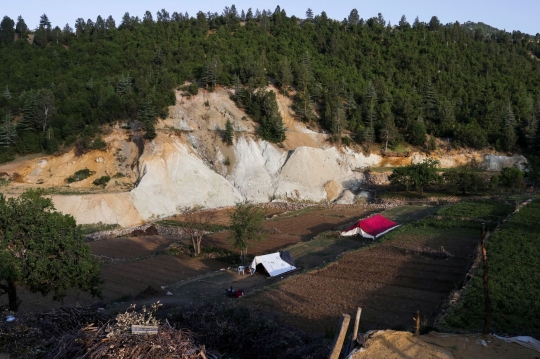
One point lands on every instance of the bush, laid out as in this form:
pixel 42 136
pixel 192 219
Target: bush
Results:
pixel 193 89
pixel 512 178
pixel 416 176
pixel 102 181
pixel 6 155
pixel 463 181
pixel 98 144
pixel 80 175
pixel 417 133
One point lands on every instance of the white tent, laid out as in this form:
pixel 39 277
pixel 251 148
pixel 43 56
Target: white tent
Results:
pixel 274 263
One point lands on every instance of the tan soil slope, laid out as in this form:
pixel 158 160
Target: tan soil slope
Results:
pixel 118 159
pixel 402 345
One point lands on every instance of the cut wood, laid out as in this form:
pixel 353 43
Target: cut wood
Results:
pixel 144 329
pixel 342 331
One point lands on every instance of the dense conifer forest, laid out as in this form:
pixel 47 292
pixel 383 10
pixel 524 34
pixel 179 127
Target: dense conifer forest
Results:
pixel 362 80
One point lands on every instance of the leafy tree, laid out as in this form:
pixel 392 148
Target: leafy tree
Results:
pixel 246 226
pixel 532 170
pixel 196 225
pixel 42 250
pixel 416 176
pixel 512 178
pixel 463 180
pixel 417 133
pixel 228 134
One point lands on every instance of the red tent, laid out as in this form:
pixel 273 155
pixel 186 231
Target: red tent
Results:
pixel 371 227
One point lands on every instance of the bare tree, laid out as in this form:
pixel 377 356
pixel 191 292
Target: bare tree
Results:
pixel 46 109
pixel 196 225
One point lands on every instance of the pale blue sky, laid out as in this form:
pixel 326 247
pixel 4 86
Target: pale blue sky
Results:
pixel 520 15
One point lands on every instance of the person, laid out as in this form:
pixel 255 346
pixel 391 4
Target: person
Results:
pixel 230 292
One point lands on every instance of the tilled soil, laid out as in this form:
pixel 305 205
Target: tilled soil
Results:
pixel 294 227
pixel 389 283
pixel 131 247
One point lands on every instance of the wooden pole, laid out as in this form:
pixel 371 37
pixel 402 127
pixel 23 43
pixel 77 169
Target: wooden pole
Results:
pixel 355 330
pixel 487 301
pixel 338 342
pixel 417 326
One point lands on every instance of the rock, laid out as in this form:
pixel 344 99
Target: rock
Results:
pixel 99 160
pixel 333 190
pixel 168 293
pixel 346 198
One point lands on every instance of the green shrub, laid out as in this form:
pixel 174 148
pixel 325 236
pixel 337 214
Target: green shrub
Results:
pixel 98 144
pixel 102 181
pixel 512 177
pixel 80 175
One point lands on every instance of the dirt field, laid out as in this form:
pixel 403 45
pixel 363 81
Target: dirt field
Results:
pixel 294 227
pixel 389 283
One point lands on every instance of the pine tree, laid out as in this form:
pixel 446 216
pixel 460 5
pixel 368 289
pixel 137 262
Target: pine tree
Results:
pixel 124 84
pixel 7 94
pixel 147 116
pixel 228 134
pixel 353 18
pixel 285 73
pixel 510 136
pixel 368 137
pixel 8 135
pixel 309 14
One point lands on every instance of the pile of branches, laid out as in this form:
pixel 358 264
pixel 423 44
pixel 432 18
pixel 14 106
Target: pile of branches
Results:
pixel 85 332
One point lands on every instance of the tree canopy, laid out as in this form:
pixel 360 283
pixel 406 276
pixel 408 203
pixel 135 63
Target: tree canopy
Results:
pixel 246 226
pixel 42 250
pixel 361 78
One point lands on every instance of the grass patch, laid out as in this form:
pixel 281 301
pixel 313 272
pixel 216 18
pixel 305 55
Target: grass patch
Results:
pixel 478 209
pixel 514 271
pixel 210 227
pixel 97 227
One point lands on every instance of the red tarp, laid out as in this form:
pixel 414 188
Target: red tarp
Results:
pixel 374 225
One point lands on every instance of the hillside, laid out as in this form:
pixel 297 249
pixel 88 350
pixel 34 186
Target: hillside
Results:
pixel 360 80
pixel 188 164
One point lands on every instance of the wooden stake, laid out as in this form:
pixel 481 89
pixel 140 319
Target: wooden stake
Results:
pixel 355 331
pixel 338 342
pixel 487 301
pixel 417 320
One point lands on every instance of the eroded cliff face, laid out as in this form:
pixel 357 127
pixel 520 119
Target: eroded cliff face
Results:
pixel 189 165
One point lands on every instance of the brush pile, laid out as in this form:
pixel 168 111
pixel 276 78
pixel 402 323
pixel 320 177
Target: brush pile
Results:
pixel 78 332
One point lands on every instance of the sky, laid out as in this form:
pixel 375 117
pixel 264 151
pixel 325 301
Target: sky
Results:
pixel 509 15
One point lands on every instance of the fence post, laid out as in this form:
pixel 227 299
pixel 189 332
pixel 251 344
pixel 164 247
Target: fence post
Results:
pixel 355 330
pixel 487 301
pixel 342 331
pixel 417 325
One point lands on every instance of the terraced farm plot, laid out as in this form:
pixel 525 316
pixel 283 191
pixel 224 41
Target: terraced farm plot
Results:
pixel 131 247
pixel 390 281
pixel 295 227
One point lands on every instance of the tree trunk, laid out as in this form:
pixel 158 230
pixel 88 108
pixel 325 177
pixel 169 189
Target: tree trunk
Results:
pixel 12 296
pixel 199 246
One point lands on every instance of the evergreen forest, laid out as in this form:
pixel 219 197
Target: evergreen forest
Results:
pixel 362 80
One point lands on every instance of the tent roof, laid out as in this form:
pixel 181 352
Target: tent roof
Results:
pixel 274 264
pixel 373 226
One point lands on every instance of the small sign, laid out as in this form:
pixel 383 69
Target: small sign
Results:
pixel 144 329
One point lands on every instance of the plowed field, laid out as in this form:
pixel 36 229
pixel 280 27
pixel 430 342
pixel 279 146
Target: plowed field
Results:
pixel 294 227
pixel 386 280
